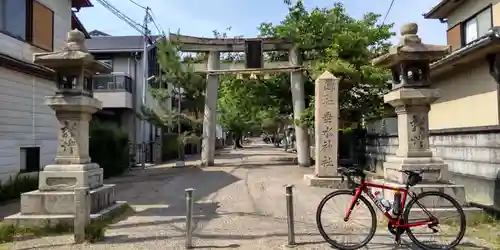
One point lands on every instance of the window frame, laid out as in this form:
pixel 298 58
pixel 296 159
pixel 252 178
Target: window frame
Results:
pixel 474 16
pixel 29 26
pixel 28 22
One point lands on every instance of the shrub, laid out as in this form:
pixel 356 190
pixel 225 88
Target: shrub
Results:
pixel 170 148
pixel 95 231
pixel 7 232
pixel 16 186
pixel 108 146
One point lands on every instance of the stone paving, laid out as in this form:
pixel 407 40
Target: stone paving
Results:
pixel 240 204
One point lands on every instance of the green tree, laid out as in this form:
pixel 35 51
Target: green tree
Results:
pixel 187 86
pixel 334 41
pixel 238 105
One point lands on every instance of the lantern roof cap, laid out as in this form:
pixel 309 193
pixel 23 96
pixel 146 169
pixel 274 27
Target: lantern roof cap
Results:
pixel 73 54
pixel 411 48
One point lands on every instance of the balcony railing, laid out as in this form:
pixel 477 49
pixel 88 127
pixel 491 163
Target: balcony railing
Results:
pixel 104 83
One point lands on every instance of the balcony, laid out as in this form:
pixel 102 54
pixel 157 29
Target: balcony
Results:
pixel 114 91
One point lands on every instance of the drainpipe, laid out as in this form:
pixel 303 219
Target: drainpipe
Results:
pixel 134 102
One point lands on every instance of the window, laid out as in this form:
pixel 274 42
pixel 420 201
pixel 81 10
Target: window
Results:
pixel 30 159
pixel 477 26
pixel 13 18
pixel 29 21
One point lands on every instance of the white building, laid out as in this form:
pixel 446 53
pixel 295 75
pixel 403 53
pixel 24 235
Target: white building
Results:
pixel 122 91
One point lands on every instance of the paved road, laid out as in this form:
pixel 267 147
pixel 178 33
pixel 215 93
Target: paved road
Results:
pixel 240 204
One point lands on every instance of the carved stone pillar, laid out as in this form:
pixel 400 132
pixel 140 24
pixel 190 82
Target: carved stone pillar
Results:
pixel 326 126
pixel 72 166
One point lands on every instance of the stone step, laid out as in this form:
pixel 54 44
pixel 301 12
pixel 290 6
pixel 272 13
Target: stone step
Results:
pixel 62 202
pixel 56 219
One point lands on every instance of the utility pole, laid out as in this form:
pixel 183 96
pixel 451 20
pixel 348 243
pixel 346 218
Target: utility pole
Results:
pixel 147 33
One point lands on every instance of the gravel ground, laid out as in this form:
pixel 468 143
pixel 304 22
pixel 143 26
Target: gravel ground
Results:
pixel 240 204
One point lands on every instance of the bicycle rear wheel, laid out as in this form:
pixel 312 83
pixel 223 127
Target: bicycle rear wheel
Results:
pixel 342 199
pixel 452 225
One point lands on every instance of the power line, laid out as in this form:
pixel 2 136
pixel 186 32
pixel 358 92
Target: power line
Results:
pixel 138 27
pixel 134 2
pixel 388 11
pixel 158 27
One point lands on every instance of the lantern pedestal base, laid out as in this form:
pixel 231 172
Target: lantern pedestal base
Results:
pixel 326 182
pixel 435 170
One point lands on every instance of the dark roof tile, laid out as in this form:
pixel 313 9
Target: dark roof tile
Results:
pixel 116 43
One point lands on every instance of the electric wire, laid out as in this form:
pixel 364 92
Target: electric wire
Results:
pixel 387 13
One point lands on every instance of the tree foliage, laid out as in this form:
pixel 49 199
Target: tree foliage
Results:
pixel 244 104
pixel 334 41
pixel 185 85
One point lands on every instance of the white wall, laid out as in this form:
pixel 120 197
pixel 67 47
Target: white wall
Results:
pixel 24 118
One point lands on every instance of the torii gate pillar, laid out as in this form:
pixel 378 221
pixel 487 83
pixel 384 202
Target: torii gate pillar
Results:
pixel 298 98
pixel 210 113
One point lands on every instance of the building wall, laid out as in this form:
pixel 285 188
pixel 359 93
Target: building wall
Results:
pixel 25 119
pixel 470 8
pixel 469 98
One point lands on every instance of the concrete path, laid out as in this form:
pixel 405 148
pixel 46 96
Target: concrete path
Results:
pixel 240 204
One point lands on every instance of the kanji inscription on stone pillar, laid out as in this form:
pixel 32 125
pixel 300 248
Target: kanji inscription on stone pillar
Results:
pixel 326 125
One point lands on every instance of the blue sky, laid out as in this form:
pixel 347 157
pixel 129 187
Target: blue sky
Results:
pixel 201 17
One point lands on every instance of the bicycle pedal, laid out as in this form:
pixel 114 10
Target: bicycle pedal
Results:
pixel 397 243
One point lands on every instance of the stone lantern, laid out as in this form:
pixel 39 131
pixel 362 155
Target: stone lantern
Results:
pixel 74 105
pixel 411 96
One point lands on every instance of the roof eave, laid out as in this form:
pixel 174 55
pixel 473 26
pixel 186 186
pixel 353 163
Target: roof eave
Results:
pixel 79 25
pixel 114 50
pixel 481 46
pixel 81 4
pixel 440 11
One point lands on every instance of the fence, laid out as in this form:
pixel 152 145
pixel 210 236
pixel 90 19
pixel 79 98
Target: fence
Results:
pixel 147 152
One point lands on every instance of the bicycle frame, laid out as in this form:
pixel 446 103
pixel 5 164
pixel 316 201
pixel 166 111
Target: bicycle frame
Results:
pixel 365 188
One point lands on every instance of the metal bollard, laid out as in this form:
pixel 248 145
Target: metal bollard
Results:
pixel 289 213
pixel 82 213
pixel 189 218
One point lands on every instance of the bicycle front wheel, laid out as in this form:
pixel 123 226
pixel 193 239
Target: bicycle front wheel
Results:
pixel 362 217
pixel 450 227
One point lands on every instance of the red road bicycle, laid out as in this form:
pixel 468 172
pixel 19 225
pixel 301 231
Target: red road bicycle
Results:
pixel 398 214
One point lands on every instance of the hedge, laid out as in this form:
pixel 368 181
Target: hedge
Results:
pixel 108 146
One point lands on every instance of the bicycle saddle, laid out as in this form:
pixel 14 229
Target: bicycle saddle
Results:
pixel 414 177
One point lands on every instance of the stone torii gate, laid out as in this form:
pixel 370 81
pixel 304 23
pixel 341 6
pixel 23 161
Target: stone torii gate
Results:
pixel 254 47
